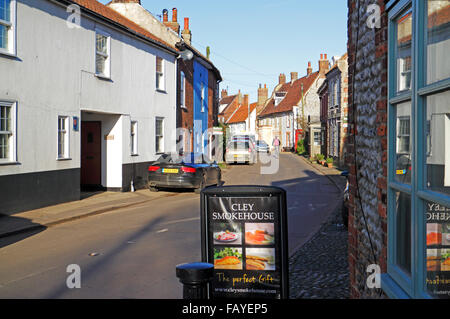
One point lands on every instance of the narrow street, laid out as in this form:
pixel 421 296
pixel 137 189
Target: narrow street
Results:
pixel 132 252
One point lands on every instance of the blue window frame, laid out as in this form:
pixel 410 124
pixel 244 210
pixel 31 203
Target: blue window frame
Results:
pixel 419 150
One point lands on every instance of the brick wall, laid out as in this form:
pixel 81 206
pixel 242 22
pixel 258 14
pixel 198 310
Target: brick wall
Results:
pixel 366 145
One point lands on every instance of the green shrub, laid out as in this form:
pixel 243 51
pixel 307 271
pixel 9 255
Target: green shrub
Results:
pixel 301 147
pixel 320 157
pixel 330 160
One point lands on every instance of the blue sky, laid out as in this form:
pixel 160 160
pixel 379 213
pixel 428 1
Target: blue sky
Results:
pixel 253 41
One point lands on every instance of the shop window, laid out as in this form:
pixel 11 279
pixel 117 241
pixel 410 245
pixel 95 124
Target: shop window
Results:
pixel 419 152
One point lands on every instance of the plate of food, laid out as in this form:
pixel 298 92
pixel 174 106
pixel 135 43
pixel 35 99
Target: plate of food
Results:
pixel 259 237
pixel 228 258
pixel 226 236
pixel 260 259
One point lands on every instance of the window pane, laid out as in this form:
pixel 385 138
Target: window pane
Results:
pixel 159 128
pixel 159 67
pixel 4 146
pixel 438 142
pixel 404 37
pixel 438 250
pixel 102 43
pixel 5 10
pixel 3 37
pixel 403 231
pixel 403 143
pixel 438 49
pixel 100 64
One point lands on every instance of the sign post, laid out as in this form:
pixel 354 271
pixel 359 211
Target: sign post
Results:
pixel 244 235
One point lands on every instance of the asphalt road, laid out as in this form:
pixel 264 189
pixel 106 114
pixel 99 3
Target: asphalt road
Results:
pixel 132 253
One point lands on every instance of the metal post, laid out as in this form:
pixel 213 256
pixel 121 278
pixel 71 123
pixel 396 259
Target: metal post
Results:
pixel 195 278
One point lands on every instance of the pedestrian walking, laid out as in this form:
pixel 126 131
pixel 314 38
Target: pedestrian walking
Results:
pixel 276 145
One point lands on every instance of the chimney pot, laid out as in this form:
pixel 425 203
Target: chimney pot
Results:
pixel 282 79
pixel 294 76
pixel 165 15
pixel 174 15
pixel 186 23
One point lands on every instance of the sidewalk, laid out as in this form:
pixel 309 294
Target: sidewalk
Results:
pixel 333 174
pixel 319 269
pixel 91 204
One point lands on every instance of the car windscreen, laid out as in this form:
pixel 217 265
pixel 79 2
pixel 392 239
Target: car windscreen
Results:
pixel 239 145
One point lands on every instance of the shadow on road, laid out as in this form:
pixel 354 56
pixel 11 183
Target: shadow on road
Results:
pixel 104 260
pixel 14 229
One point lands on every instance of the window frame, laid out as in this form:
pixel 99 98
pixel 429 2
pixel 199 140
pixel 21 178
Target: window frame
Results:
pixel 66 154
pixel 396 283
pixel 159 135
pixel 160 77
pixel 183 90
pixel 134 129
pixel 10 50
pixel 107 73
pixel 12 140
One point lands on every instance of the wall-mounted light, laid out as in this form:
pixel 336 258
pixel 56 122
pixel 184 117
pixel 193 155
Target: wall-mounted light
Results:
pixel 186 54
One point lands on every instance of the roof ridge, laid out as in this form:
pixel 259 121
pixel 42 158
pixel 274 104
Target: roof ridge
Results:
pixel 110 14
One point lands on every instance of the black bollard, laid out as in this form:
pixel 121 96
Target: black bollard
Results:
pixel 195 278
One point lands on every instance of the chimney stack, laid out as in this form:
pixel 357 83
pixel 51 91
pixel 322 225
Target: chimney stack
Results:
pixel 324 65
pixel 174 25
pixel 309 69
pixel 224 93
pixel 263 95
pixel 186 33
pixel 245 103
pixel 282 79
pixel 294 76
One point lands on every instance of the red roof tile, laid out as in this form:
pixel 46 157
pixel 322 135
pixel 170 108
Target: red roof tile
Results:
pixel 228 111
pixel 101 9
pixel 293 95
pixel 241 114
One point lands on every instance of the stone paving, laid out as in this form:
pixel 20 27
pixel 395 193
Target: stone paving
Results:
pixel 319 269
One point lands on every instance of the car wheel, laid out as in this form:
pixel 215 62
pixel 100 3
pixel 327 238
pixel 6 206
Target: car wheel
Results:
pixel 202 185
pixel 154 189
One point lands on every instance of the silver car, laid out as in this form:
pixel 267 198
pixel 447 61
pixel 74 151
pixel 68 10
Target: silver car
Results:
pixel 240 152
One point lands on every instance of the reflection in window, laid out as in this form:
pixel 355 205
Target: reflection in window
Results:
pixel 404 36
pixel 438 249
pixel 438 63
pixel 403 231
pixel 403 143
pixel 438 143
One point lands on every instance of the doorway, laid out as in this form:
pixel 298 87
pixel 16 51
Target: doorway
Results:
pixel 91 155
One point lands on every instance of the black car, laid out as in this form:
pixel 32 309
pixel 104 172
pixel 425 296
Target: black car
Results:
pixel 183 171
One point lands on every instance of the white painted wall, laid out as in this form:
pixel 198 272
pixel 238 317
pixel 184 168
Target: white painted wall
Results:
pixel 53 75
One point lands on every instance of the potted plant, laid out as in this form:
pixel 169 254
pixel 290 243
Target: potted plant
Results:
pixel 319 158
pixel 329 162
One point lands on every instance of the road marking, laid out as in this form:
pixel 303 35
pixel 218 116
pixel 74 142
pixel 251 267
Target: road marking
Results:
pixel 165 230
pixel 181 221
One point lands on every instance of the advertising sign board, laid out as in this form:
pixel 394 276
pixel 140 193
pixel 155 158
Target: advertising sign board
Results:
pixel 244 235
